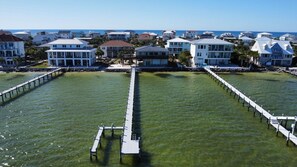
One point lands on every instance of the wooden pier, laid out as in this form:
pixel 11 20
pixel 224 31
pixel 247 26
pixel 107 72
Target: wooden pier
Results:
pixel 97 140
pixel 130 145
pixel 8 94
pixel 271 120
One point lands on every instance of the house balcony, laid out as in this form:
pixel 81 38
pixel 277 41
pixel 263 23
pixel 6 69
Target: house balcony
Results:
pixel 7 48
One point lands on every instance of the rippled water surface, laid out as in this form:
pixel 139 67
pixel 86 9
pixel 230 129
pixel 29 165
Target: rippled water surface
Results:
pixel 183 119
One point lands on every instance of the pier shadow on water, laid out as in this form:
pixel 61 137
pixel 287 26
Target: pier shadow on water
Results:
pixel 166 75
pixel 105 151
pixel 15 96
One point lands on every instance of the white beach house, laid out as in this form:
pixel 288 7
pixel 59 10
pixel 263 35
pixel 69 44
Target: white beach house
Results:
pixel 64 34
pixel 168 34
pixel 210 52
pixel 70 52
pixel 44 37
pixel 264 34
pixel 189 34
pixel 23 35
pixel 177 45
pixel 119 35
pixel 273 52
pixel 11 47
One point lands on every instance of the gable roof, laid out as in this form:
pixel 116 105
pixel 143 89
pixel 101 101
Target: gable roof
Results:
pixel 9 38
pixel 211 42
pixel 151 49
pixel 116 43
pixel 74 41
pixel 178 40
pixel 5 32
pixel 263 46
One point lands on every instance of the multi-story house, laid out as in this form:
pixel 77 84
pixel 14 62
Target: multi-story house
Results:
pixel 264 34
pixel 190 34
pixel 273 52
pixel 65 34
pixel 177 45
pixel 210 52
pixel 78 34
pixel 93 34
pixel 44 37
pixel 119 35
pixel 11 47
pixel 151 56
pixel 168 34
pixel 147 36
pixel 23 35
pixel 207 35
pixel 111 49
pixel 70 52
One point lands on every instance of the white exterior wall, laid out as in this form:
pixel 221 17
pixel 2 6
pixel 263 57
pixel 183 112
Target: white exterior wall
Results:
pixel 201 56
pixel 71 55
pixel 104 49
pixel 42 39
pixel 182 46
pixel 198 60
pixel 10 52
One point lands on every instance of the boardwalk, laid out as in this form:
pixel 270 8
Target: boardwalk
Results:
pixel 129 145
pixel 271 120
pixel 21 88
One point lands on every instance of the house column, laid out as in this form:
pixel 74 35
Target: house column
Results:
pixel 64 58
pixel 48 58
pixel 73 62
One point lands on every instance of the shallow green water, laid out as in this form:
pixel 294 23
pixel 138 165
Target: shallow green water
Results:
pixel 8 80
pixel 184 119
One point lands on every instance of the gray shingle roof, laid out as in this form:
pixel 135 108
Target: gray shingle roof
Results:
pixel 151 49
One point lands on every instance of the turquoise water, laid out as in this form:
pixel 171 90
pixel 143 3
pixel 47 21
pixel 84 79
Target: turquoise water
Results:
pixel 183 119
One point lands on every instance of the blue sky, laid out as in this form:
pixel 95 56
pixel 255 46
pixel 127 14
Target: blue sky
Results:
pixel 254 15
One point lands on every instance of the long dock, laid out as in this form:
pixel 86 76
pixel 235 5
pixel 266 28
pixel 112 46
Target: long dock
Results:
pixel 10 93
pixel 271 120
pixel 130 145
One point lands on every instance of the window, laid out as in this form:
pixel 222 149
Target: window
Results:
pixel 54 46
pixel 78 46
pixel 63 46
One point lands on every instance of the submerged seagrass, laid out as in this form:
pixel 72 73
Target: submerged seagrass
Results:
pixel 184 119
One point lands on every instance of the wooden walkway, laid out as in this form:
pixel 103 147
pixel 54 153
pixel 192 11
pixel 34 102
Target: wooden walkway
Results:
pixel 271 120
pixel 97 140
pixel 31 84
pixel 130 145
